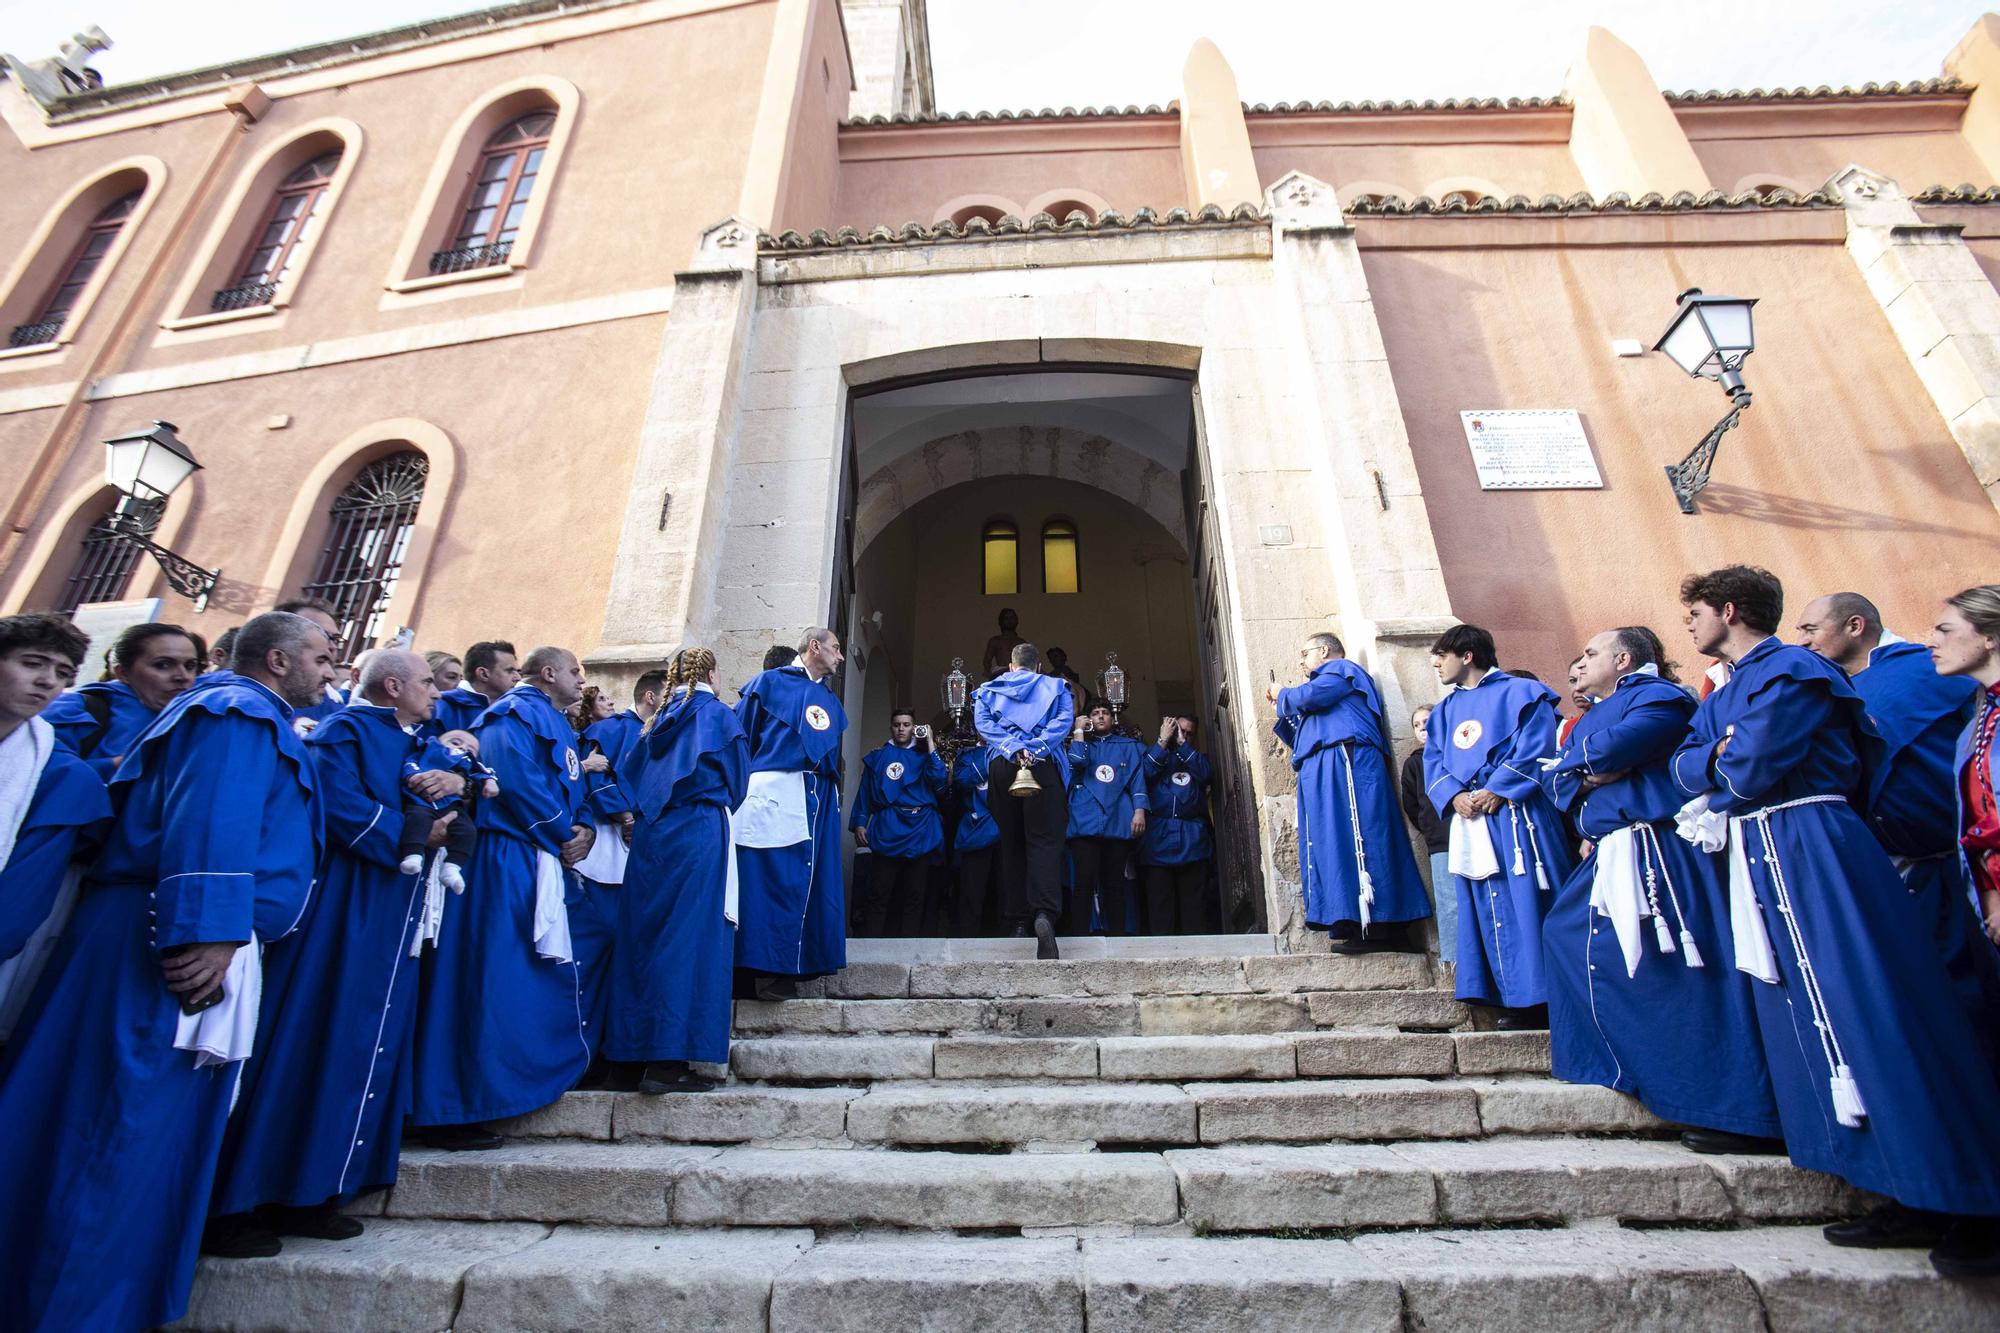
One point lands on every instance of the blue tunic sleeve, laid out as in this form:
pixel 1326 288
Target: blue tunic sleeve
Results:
pixel 1648 731
pixel 1517 771
pixel 211 819
pixel 532 804
pixel 864 794
pixel 1770 740
pixel 1323 691
pixel 356 823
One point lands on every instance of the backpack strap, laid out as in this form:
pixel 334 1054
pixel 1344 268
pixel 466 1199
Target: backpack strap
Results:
pixel 97 703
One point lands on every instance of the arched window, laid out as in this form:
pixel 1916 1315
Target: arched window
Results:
pixel 368 530
pixel 1060 571
pixel 1001 541
pixel 105 560
pixel 294 205
pixel 97 241
pixel 498 199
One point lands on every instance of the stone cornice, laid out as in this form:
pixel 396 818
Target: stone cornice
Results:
pixel 1041 224
pixel 1521 204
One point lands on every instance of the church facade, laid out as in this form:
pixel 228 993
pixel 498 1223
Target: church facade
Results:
pixel 631 323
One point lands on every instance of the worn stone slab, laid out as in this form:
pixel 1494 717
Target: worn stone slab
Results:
pixel 932 1286
pixel 1544 1106
pixel 575 1115
pixel 1375 1055
pixel 828 1058
pixel 393 1275
pixel 553 1181
pixel 1268 1187
pixel 953 1113
pixel 1177 1058
pixel 1063 1017
pixel 1390 1108
pixel 933 1016
pixel 1486 1181
pixel 1413 1010
pixel 1189 946
pixel 1568 1281
pixel 860 981
pixel 1221 1015
pixel 1502 1052
pixel 1235 1286
pixel 734 1114
pixel 631 1279
pixel 1807 1284
pixel 755 1016
pixel 1339 972
pixel 1011 1057
pixel 843 1188
pixel 1772 1189
pixel 1116 977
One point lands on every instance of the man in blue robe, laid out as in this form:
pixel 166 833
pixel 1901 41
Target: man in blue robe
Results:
pixel 1509 848
pixel 794 913
pixel 1879 1076
pixel 100 721
pixel 1359 875
pixel 1642 996
pixel 320 612
pixel 897 819
pixel 1024 717
pixel 319 1118
pixel 974 843
pixel 501 1029
pixel 490 671
pixel 114 1095
pixel 1913 795
pixel 1178 844
pixel 53 806
pixel 1107 816
pixel 674 962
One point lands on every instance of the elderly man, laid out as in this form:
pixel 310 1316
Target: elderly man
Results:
pixel 500 1028
pixel 793 913
pixel 1360 878
pixel 319 1118
pixel 119 1081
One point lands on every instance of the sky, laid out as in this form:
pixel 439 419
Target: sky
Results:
pixel 1014 54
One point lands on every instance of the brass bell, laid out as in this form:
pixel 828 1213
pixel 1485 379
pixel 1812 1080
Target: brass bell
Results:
pixel 1024 783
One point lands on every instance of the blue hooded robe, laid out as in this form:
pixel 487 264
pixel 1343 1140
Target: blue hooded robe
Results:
pixel 127 717
pixel 1107 783
pixel 1177 831
pixel 793 912
pixel 1492 736
pixel 1350 828
pixel 501 1029
pixel 676 949
pixel 1025 710
pixel 111 1132
pixel 897 802
pixel 1861 1017
pixel 65 820
pixel 1681 1038
pixel 976 829
pixel 457 709
pixel 320 1115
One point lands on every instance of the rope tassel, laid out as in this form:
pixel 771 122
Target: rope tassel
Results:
pixel 1847 1107
pixel 1691 950
pixel 1663 935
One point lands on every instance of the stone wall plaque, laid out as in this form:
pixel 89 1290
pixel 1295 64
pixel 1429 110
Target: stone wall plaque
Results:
pixel 1542 449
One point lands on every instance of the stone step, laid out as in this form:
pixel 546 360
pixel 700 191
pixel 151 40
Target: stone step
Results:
pixel 952 949
pixel 1282 974
pixel 492 1277
pixel 1213 1014
pixel 1283 1055
pixel 1262 1188
pixel 986 1114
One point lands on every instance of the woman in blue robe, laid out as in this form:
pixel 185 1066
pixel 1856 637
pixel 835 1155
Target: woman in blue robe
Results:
pixel 675 956
pixel 150 665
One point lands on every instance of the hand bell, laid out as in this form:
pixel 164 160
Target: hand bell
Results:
pixel 1024 783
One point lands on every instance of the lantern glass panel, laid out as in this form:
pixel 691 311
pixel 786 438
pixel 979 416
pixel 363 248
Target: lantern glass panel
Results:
pixel 1687 343
pixel 1729 327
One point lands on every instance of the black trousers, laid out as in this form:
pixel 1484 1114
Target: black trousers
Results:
pixel 899 890
pixel 1031 840
pixel 1177 901
pixel 1099 864
pixel 461 836
pixel 975 885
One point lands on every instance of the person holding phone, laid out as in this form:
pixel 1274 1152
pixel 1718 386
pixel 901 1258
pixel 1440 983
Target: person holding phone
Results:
pixel 1107 817
pixel 897 819
pixel 1178 847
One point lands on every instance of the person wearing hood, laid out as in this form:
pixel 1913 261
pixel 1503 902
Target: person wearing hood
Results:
pixel 1024 718
pixel 1108 802
pixel 896 819
pixel 99 722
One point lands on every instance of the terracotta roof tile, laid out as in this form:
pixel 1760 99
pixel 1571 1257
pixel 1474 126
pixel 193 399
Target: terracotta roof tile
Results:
pixel 1683 202
pixel 979 229
pixel 1957 194
pixel 1912 88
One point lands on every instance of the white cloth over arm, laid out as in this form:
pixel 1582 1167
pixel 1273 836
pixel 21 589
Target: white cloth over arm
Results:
pixel 227 1031
pixel 1470 854
pixel 773 813
pixel 551 911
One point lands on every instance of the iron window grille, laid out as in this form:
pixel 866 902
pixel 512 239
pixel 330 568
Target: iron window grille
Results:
pixel 97 241
pixel 105 558
pixel 497 200
pixel 368 532
pixel 294 206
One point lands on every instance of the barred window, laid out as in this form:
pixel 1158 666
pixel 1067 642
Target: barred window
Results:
pixel 105 560
pixel 368 530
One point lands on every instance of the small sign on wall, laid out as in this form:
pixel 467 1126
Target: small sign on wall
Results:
pixel 1543 449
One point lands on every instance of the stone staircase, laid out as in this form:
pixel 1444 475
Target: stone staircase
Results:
pixel 1173 1134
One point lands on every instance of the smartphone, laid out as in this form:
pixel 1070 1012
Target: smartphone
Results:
pixel 922 730
pixel 208 1001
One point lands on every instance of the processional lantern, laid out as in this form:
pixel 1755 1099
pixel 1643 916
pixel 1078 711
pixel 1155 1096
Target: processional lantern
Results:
pixel 1111 685
pixel 1709 338
pixel 953 687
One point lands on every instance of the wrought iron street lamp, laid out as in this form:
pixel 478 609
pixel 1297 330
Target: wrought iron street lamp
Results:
pixel 1709 338
pixel 146 467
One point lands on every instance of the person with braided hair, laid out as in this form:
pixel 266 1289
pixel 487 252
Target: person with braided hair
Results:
pixel 673 962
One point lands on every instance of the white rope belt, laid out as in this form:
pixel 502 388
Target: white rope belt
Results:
pixel 1367 890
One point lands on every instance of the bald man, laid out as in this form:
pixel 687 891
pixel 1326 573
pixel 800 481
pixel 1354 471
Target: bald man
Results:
pixel 319 1118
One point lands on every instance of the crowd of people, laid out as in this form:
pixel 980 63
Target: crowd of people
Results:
pixel 259 926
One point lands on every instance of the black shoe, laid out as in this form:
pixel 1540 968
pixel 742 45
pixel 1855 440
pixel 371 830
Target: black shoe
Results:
pixel 777 988
pixel 457 1138
pixel 665 1076
pixel 1527 1018
pixel 1045 937
pixel 623 1075
pixel 325 1222
pixel 1970 1248
pixel 1889 1227
pixel 240 1236
pixel 1020 932
pixel 1722 1141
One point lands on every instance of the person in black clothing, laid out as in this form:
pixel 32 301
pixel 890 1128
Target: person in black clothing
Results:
pixel 1423 817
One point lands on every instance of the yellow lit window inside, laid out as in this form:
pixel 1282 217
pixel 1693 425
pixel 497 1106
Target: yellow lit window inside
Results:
pixel 1002 543
pixel 1059 571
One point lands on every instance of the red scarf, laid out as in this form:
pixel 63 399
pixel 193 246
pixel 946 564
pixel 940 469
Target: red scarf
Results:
pixel 1981 838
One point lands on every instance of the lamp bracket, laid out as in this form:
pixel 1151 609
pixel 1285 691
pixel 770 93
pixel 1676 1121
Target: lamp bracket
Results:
pixel 1689 477
pixel 184 576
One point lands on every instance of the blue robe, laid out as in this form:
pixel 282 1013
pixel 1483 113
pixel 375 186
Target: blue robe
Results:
pixel 126 719
pixel 1107 782
pixel 327 707
pixel 1347 811
pixel 111 1133
pixel 65 820
pixel 1491 736
pixel 674 961
pixel 976 829
pixel 320 1114
pixel 457 709
pixel 500 1029
pixel 1862 960
pixel 897 802
pixel 1681 1039
pixel 593 919
pixel 1025 711
pixel 1177 830
pixel 793 913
